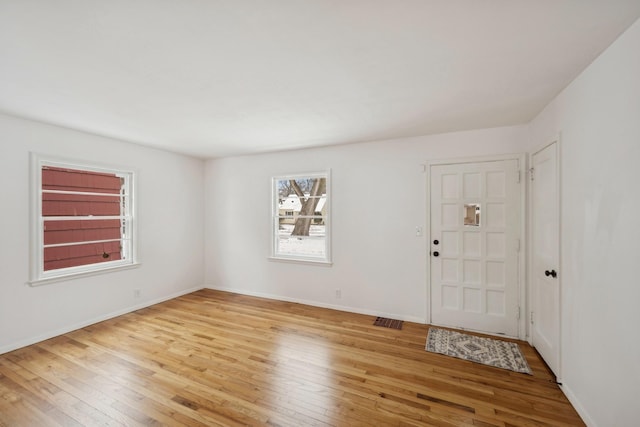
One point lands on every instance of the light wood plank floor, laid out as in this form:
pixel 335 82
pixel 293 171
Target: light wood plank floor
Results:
pixel 215 358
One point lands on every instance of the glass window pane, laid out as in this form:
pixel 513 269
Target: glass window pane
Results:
pixel 83 254
pixel 472 214
pixel 312 245
pixel 57 232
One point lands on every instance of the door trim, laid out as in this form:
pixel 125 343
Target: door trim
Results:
pixel 522 160
pixel 556 139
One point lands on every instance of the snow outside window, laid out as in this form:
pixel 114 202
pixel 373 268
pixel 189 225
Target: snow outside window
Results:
pixel 301 219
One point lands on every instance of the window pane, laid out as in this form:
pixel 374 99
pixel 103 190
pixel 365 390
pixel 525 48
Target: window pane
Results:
pixel 83 254
pixel 472 214
pixel 56 204
pixel 78 180
pixel 312 245
pixel 306 186
pixel 57 232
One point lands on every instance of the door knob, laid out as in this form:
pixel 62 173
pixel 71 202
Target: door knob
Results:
pixel 436 253
pixel 551 273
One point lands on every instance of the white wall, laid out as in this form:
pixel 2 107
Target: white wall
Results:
pixel 170 207
pixel 598 116
pixel 378 199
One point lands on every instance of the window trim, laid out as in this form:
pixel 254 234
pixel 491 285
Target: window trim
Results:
pixel 37 274
pixel 302 259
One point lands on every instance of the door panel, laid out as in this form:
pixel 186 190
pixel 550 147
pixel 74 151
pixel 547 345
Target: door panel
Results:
pixel 545 256
pixel 475 230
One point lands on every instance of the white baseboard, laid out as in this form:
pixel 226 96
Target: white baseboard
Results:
pixel 577 405
pixel 319 304
pixel 73 327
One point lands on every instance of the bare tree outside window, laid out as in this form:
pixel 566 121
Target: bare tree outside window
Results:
pixel 300 220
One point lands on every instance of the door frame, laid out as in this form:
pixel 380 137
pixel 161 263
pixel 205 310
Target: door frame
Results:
pixel 523 166
pixel 556 139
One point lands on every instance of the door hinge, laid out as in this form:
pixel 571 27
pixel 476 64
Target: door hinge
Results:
pixel 518 313
pixel 517 245
pixel 532 317
pixel 519 175
pixel 531 170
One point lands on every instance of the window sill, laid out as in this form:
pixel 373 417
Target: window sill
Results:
pixel 308 261
pixel 72 276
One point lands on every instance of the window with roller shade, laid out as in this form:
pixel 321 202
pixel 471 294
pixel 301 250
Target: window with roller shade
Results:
pixel 84 219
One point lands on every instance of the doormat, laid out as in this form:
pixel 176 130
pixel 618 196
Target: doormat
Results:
pixel 492 352
pixel 388 323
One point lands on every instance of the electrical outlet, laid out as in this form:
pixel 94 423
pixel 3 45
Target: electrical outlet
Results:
pixel 338 293
pixel 136 293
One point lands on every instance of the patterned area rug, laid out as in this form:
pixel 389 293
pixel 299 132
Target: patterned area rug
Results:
pixel 501 354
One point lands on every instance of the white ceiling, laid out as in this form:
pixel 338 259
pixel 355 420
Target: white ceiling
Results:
pixel 215 78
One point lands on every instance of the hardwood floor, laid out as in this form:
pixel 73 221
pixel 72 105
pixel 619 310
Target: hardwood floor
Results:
pixel 215 358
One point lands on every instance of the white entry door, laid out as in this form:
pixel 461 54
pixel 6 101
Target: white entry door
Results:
pixel 545 291
pixel 475 243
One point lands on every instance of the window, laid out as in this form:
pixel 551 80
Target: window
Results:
pixel 301 220
pixel 472 214
pixel 83 219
